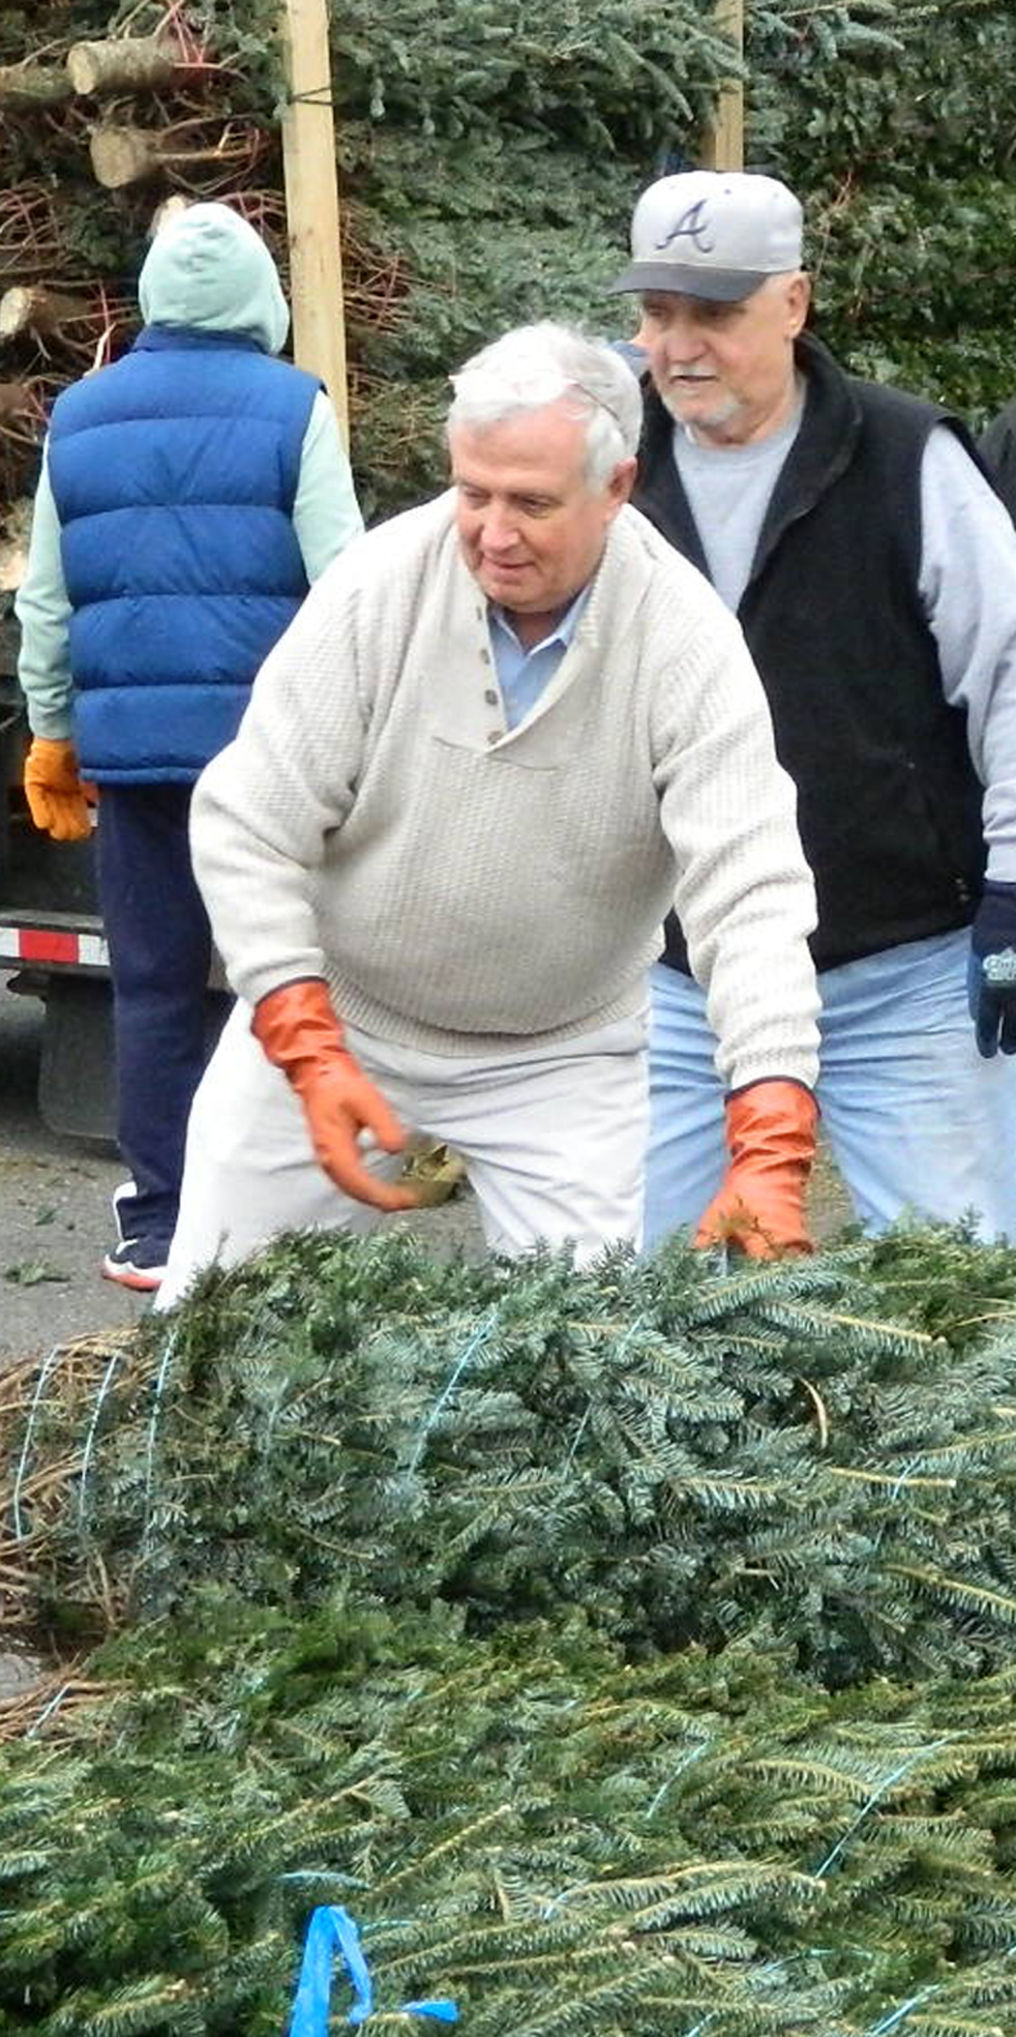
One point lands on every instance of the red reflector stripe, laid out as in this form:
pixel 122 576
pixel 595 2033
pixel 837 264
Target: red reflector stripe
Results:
pixel 36 945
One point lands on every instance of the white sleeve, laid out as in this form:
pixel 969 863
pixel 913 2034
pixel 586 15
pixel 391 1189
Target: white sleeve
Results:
pixel 44 612
pixel 326 514
pixel 967 586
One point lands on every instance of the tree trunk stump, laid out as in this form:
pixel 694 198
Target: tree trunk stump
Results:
pixel 32 308
pixel 27 86
pixel 126 64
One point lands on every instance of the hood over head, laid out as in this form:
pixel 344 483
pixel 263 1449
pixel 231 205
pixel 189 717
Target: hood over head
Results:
pixel 208 269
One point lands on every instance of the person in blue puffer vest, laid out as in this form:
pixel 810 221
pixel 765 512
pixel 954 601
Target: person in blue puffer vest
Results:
pixel 189 496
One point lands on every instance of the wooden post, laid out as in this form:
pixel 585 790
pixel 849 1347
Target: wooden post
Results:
pixel 723 141
pixel 312 202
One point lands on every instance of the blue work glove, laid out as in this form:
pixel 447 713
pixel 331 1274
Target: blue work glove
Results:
pixel 991 973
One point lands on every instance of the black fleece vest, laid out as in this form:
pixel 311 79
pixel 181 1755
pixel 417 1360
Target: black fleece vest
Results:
pixel 889 805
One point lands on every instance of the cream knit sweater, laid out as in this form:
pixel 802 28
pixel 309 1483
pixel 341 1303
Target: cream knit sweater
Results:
pixel 464 887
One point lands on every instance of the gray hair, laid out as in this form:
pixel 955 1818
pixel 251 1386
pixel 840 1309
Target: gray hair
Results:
pixel 535 365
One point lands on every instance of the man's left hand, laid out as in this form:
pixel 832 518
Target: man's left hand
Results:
pixel 771 1136
pixel 991 974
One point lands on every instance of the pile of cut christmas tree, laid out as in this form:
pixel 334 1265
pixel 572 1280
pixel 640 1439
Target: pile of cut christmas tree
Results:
pixel 629 1651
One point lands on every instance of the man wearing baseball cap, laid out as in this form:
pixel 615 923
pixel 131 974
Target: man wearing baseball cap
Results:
pixel 873 571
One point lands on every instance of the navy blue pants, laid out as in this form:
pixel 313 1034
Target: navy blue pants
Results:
pixel 160 949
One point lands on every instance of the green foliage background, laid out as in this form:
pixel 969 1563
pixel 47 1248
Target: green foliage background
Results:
pixel 495 149
pixel 509 182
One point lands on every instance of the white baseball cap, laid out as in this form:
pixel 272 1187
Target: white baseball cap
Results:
pixel 713 233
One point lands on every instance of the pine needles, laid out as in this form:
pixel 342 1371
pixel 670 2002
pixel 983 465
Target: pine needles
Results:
pixel 684 1457
pixel 630 1651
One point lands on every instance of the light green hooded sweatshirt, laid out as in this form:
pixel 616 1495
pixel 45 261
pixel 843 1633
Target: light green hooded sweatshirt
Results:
pixel 208 270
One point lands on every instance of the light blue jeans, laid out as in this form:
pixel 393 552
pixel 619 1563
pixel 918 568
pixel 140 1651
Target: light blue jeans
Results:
pixel 918 1123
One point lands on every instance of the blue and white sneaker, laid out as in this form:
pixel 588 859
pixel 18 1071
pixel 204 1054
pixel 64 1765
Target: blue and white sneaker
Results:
pixel 137 1263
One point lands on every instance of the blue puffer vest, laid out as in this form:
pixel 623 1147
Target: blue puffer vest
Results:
pixel 174 475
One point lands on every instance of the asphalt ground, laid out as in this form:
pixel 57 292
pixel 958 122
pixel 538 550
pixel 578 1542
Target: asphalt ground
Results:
pixel 55 1216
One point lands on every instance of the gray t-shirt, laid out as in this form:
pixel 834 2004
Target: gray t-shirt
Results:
pixel 728 490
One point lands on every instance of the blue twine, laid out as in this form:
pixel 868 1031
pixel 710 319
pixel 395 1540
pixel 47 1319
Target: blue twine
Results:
pixel 86 1460
pixel 479 1337
pixel 556 1901
pixel 919 1754
pixel 48 1711
pixel 693 1754
pixel 795 1958
pixel 895 2017
pixel 893 1495
pixel 44 1372
pixel 322 1874
pixel 621 1352
pixel 895 1489
pixel 330 1930
pixel 577 1438
pixel 160 1384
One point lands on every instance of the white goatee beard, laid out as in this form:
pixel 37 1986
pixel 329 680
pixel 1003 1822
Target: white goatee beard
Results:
pixel 726 409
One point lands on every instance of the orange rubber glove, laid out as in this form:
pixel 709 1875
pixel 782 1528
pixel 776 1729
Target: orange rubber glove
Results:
pixel 771 1134
pixel 298 1030
pixel 57 800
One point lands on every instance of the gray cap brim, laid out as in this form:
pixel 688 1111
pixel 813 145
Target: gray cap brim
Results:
pixel 725 286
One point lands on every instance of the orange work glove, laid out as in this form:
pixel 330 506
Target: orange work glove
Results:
pixel 298 1030
pixel 57 800
pixel 771 1131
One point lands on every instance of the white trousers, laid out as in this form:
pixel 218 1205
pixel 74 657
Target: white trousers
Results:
pixel 553 1138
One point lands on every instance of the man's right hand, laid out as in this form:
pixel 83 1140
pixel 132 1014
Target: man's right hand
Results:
pixel 298 1030
pixel 57 800
pixel 771 1135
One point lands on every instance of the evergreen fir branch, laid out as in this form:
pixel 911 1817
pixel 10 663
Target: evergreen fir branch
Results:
pixel 957 1591
pixel 454 1698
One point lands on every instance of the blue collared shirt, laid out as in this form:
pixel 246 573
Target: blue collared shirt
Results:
pixel 523 675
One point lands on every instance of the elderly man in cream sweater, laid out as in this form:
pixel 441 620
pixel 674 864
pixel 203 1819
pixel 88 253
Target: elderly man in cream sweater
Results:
pixel 506 733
